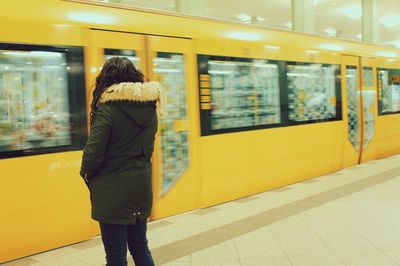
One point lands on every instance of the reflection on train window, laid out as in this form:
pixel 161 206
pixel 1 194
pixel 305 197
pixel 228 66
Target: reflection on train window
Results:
pixel 170 71
pixel 34 100
pixel 130 54
pixel 313 92
pixel 368 95
pixel 238 93
pixel 352 105
pixel 388 91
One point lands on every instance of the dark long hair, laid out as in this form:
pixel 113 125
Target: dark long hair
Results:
pixel 115 70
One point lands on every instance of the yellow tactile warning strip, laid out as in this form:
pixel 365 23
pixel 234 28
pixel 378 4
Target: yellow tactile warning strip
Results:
pixel 187 246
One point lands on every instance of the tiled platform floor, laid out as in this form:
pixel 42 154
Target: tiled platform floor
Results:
pixel 351 217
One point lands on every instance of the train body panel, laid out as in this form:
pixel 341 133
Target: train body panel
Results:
pixel 241 164
pixel 42 197
pixel 203 156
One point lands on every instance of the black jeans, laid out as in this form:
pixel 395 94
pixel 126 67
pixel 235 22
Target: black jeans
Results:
pixel 117 237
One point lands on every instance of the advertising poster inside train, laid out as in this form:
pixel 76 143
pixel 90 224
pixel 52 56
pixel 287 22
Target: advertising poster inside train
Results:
pixel 388 90
pixel 34 101
pixel 312 91
pixel 243 93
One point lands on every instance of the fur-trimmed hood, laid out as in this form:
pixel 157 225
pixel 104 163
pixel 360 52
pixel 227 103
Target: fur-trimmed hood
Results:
pixel 137 92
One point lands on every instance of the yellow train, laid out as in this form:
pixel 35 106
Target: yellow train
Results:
pixel 250 109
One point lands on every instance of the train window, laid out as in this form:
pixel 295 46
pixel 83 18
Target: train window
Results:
pixel 388 91
pixel 313 92
pixel 130 54
pixel 238 94
pixel 352 105
pixel 42 99
pixel 170 71
pixel 368 94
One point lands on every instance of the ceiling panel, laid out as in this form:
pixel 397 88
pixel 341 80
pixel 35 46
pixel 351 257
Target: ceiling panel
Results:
pixel 335 18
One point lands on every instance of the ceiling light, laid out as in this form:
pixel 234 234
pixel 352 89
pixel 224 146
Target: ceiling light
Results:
pixel 385 54
pixel 33 54
pixel 272 47
pixel 311 52
pixel 45 54
pixel 331 47
pixel 359 36
pixel 90 18
pixel 397 43
pixel 244 18
pixel 245 36
pixel 390 21
pixel 353 12
pixel 331 32
pixel 315 2
pixel 249 19
pixel 288 24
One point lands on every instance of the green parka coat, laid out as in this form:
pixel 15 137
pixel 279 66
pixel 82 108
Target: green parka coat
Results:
pixel 116 159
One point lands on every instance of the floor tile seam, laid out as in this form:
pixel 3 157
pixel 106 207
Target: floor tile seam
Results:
pixel 340 185
pixel 381 250
pixel 281 246
pixel 378 217
pixel 297 203
pixel 395 261
pixel 349 254
pixel 322 240
pixel 336 185
pixel 362 184
pixel 241 218
pixel 237 251
pixel 350 225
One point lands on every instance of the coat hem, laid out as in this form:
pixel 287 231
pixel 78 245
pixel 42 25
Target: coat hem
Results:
pixel 118 221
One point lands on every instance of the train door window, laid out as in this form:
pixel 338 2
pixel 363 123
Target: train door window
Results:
pixel 313 92
pixel 41 99
pixel 368 94
pixel 352 105
pixel 238 94
pixel 130 54
pixel 170 71
pixel 388 91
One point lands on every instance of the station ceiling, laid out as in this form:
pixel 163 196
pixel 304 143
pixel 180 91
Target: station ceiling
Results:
pixel 334 18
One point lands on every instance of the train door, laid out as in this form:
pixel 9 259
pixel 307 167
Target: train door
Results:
pixel 369 108
pixel 171 62
pixel 359 109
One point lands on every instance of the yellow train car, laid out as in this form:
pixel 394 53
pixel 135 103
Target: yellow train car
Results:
pixel 250 109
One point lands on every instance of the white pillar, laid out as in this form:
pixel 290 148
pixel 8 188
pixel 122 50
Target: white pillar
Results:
pixel 303 16
pixel 191 7
pixel 370 21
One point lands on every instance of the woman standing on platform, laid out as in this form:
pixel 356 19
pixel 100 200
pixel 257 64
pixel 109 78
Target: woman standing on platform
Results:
pixel 116 162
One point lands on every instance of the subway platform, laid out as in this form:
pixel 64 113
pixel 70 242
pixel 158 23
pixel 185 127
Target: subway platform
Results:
pixel 350 217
